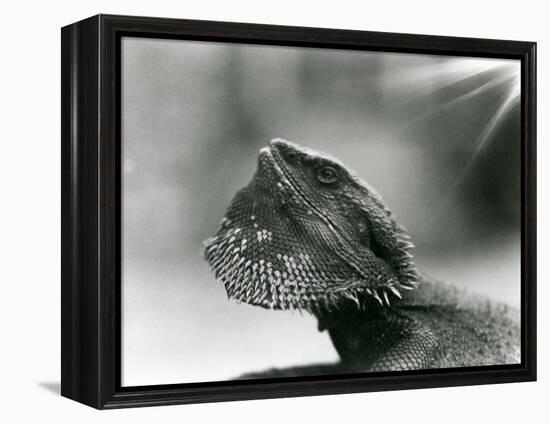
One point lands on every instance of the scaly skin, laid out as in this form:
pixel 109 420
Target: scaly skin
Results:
pixel 306 233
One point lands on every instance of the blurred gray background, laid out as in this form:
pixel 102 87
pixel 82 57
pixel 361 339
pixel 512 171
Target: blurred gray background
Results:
pixel 438 137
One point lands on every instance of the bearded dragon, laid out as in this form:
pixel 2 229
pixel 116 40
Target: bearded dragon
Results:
pixel 308 234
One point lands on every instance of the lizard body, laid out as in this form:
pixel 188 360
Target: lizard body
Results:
pixel 307 233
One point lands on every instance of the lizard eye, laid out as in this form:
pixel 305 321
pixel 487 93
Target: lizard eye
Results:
pixel 326 175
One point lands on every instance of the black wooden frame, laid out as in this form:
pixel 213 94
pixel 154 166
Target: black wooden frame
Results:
pixel 90 180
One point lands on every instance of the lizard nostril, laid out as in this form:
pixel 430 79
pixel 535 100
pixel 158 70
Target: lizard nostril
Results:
pixel 291 156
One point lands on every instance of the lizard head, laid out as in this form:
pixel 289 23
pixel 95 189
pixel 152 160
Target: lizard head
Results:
pixel 308 233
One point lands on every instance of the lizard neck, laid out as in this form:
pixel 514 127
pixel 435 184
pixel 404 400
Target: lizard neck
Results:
pixel 361 336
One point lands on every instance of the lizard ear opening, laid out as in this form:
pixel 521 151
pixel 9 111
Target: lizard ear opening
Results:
pixel 376 248
pixel 390 243
pixel 368 240
pixel 371 239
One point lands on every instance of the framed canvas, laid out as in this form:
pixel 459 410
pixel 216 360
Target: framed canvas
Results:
pixel 254 211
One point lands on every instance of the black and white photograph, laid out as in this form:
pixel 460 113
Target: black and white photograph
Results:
pixel 275 212
pixel 296 211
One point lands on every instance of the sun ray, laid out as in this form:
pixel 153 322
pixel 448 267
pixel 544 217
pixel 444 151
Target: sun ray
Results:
pixel 503 80
pixel 484 137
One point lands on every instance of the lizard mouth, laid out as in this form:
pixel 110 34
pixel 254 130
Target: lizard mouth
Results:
pixel 270 165
pixel 273 180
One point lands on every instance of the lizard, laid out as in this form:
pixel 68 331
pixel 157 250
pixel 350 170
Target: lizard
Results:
pixel 308 234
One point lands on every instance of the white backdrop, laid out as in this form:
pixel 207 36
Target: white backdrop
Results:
pixel 30 318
